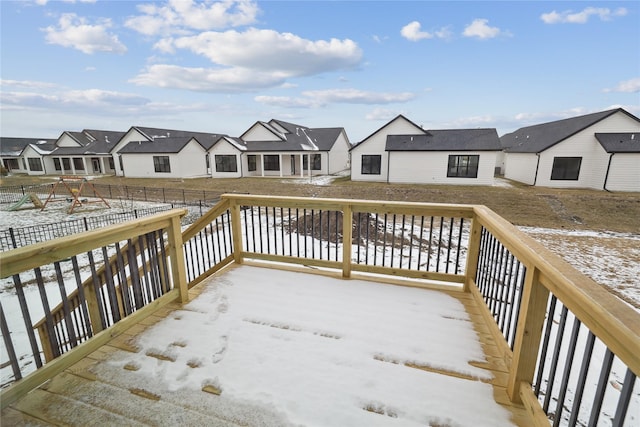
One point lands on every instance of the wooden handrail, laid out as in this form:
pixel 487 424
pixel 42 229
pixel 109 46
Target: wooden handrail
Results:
pixel 32 256
pixel 613 322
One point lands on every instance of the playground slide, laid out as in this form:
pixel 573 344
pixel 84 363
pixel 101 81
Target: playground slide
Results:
pixel 24 199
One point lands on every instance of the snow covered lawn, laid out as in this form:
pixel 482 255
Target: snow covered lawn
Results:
pixel 317 351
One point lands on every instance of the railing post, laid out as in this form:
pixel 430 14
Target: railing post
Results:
pixel 176 253
pixel 236 230
pixel 472 254
pixel 527 340
pixel 347 237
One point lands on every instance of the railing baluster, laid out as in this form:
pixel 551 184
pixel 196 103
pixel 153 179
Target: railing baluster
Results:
pixel 582 379
pixel 555 358
pixel 8 345
pixel 601 389
pixel 568 363
pixel 625 397
pixel 26 316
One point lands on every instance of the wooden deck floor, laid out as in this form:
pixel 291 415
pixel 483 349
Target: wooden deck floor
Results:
pixel 78 396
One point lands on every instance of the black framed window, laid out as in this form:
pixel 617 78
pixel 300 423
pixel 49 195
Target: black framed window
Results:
pixel 66 163
pixel 111 164
pixel 35 164
pixel 463 166
pixel 161 164
pixel 371 164
pixel 316 162
pixel 226 163
pixel 56 164
pixel 11 164
pixel 252 162
pixel 566 168
pixel 78 164
pixel 271 162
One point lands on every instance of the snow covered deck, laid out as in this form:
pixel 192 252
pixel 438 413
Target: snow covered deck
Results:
pixel 258 346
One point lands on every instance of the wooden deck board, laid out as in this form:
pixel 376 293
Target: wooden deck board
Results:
pixel 79 396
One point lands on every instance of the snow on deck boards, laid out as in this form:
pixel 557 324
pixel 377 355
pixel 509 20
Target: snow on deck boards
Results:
pixel 268 347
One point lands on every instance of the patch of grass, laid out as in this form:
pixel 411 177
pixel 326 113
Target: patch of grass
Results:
pixel 520 204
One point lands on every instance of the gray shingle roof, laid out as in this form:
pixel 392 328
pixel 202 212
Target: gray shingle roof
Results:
pixel 99 142
pixel 159 145
pixel 297 138
pixel 446 140
pixel 628 142
pixel 14 146
pixel 205 139
pixel 537 138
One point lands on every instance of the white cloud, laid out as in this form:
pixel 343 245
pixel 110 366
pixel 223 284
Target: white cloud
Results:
pixel 74 31
pixel 582 17
pixel 29 84
pixel 287 53
pixel 80 99
pixel 319 98
pixel 382 114
pixel 44 2
pixel 287 101
pixel 354 96
pixel 182 16
pixel 628 86
pixel 207 79
pixel 480 28
pixel 243 63
pixel 412 31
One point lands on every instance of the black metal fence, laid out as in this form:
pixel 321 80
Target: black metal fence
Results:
pixel 13 193
pixel 12 238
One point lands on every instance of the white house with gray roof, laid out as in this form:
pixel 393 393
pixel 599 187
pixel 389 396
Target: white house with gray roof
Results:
pixel 26 155
pixel 88 152
pixel 403 152
pixel 599 151
pixel 281 149
pixel 163 143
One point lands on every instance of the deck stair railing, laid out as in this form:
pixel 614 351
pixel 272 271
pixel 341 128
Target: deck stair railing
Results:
pixel 573 349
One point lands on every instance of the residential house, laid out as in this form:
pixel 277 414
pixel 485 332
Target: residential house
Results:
pixel 157 139
pixel 25 155
pixel 84 153
pixel 599 150
pixel 173 157
pixel 281 149
pixel 403 152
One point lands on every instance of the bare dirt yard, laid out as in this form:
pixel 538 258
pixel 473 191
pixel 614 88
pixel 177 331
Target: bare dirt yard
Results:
pixel 596 231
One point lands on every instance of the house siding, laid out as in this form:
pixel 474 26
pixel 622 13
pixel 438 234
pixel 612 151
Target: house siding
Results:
pixel 521 167
pixel 131 135
pixel 188 163
pixel 66 141
pixel 430 167
pixel 624 173
pixel 338 158
pixel 594 158
pixel 29 152
pixel 259 133
pixel 375 145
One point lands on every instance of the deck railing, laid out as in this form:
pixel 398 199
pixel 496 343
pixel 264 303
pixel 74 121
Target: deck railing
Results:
pixel 571 377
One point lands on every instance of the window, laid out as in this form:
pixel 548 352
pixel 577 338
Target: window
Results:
pixel 56 164
pixel 251 162
pixel 207 161
pixel 66 164
pixel 226 163
pixel 35 164
pixel 316 162
pixel 371 164
pixel 566 168
pixel 78 164
pixel 11 164
pixel 272 162
pixel 161 164
pixel 463 166
pixel 111 164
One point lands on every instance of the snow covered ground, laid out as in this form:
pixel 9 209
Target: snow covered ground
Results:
pixel 611 259
pixel 319 351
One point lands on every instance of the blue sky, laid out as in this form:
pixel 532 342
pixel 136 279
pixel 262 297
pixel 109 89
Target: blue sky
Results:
pixel 221 66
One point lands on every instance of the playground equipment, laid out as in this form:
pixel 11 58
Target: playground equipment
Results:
pixel 32 197
pixel 74 185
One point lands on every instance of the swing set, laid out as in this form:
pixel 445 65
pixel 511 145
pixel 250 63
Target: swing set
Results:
pixel 74 186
